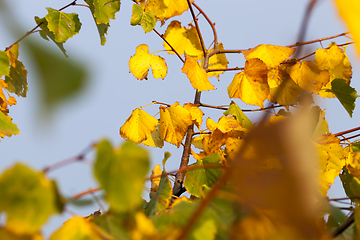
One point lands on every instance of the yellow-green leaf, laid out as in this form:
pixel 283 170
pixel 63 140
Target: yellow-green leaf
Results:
pixel 104 10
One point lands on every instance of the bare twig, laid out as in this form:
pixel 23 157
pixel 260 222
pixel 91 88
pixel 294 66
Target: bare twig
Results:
pixel 172 48
pixel 197 28
pixel 317 40
pixel 347 131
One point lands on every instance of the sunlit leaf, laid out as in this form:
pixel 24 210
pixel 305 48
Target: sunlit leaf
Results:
pixel 155 139
pixel 113 169
pixel 63 25
pixel 308 76
pixel 136 16
pixel 271 55
pixel 196 114
pixel 17 79
pixel 183 40
pixel 196 74
pixel 139 126
pixel 217 61
pixel 321 127
pixel 225 124
pixel 28 198
pixel 4 63
pixel 145 229
pixel 195 179
pixel 46 33
pixel 79 228
pixel 140 63
pixel 104 10
pixel 7 128
pixel 346 94
pixel 174 122
pixel 235 111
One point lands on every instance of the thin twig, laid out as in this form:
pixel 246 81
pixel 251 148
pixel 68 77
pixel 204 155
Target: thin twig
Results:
pixel 317 40
pixel 347 138
pixel 347 131
pixel 161 103
pixel 244 110
pixel 79 195
pixel 225 69
pixel 343 226
pixel 197 28
pixel 173 49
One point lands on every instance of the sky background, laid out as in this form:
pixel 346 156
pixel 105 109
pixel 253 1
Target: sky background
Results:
pixel 112 92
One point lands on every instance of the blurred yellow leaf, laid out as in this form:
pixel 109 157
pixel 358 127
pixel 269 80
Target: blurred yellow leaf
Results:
pixel 139 126
pixel 217 61
pixel 7 234
pixel 196 74
pixel 349 11
pixel 174 121
pixel 140 63
pixel 196 114
pixel 249 89
pixel 271 55
pixel 145 228
pixel 183 40
pixel 331 163
pixel 79 228
pixel 155 181
pixel 308 76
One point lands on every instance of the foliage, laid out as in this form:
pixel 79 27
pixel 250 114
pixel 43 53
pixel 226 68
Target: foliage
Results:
pixel 264 180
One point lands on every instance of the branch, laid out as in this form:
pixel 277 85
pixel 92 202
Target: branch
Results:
pixel 343 226
pixel 317 40
pixel 197 28
pixel 225 69
pixel 347 131
pixel 79 195
pixel 33 30
pixel 69 161
pixel 165 104
pixel 347 138
pixel 244 110
pixel 162 36
pixel 211 24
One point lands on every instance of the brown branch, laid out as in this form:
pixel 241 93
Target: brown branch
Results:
pixel 156 102
pixel 33 30
pixel 347 131
pixel 317 40
pixel 210 23
pixel 78 158
pixel 225 69
pixel 347 138
pixel 347 223
pixel 197 28
pixel 304 25
pixel 244 110
pixel 339 45
pixel 173 49
pixel 79 195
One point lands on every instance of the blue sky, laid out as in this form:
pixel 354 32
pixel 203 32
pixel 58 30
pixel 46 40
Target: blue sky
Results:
pixel 113 92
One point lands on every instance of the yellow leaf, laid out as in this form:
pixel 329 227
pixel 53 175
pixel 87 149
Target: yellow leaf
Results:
pixel 308 76
pixel 13 54
pixel 331 163
pixel 174 121
pixel 155 181
pixel 250 90
pixel 157 7
pixel 145 228
pixel 283 89
pixel 256 68
pixel 271 55
pixel 232 146
pixel 196 114
pixel 175 8
pixel 217 61
pixel 225 125
pixel 197 141
pixel 140 63
pixel 183 40
pixel 155 139
pixel 349 11
pixel 342 70
pixel 327 59
pixel 12 101
pixel 139 126
pixel 80 228
pixel 212 142
pixel 197 75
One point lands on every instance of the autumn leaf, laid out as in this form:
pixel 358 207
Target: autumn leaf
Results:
pixel 183 40
pixel 104 10
pixel 225 124
pixel 139 126
pixel 139 17
pixel 239 115
pixel 140 63
pixel 7 128
pixel 308 76
pixel 271 55
pixel 155 139
pixel 174 122
pixel 62 25
pixel 196 114
pixel 197 75
pixel 217 61
pixel 349 11
pixel 4 63
pixel 251 90
pixel 330 160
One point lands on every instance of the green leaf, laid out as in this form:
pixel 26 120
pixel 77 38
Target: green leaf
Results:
pixel 239 115
pixel 148 21
pixel 336 217
pixel 60 78
pixel 63 25
pixel 17 79
pixel 113 223
pixel 320 126
pixel 45 33
pixel 28 198
pixel 351 185
pixel 121 174
pixel 7 128
pixel 160 199
pixel 355 146
pixel 4 64
pixel 136 16
pixel 195 179
pixel 346 94
pixel 104 10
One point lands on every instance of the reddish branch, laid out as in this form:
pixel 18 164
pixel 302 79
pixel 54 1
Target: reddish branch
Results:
pixel 197 28
pixel 79 195
pixel 347 131
pixel 172 48
pixel 317 40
